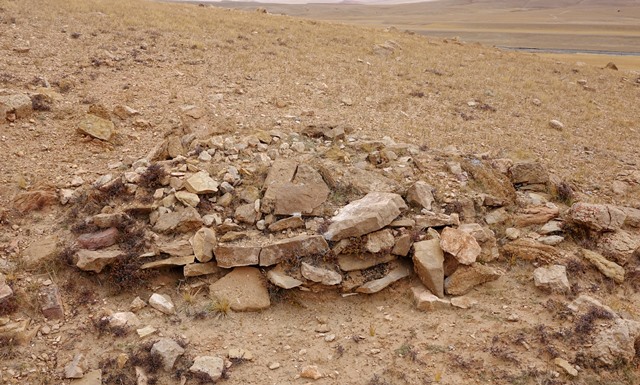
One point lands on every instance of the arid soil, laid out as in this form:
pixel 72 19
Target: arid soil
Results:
pixel 230 93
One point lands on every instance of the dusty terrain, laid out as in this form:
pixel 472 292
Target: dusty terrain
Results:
pixel 245 88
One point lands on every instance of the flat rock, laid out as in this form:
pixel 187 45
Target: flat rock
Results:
pixel 99 240
pixel 401 271
pixel 608 268
pixel 420 195
pixel 566 366
pixel 278 277
pixel 619 245
pixel 169 350
pixel 300 246
pixel 530 250
pixel 41 250
pixel 198 269
pixel 615 344
pixel 162 303
pixel 497 216
pixel 293 188
pixel 536 215
pixel 169 262
pixel 427 301
pixel 234 256
pixel 246 214
pixel 107 220
pixel 320 275
pixel 551 227
pixel 486 238
pixel 466 278
pixel 462 245
pixel 180 221
pixel 379 241
pixel 597 217
pixel 211 366
pixel 125 318
pixel 187 198
pixel 178 248
pixel 15 106
pixel 203 243
pixel 97 127
pixel 463 302
pixel 76 368
pixel 431 219
pixel 96 260
pixel 373 212
pixel 528 173
pixel 244 288
pixel 633 217
pixel 552 278
pixel 428 262
pixel 201 183
pixel 402 245
pixel 352 262
pixel 551 240
pixel 294 222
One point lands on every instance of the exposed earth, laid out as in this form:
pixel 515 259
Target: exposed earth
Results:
pixel 197 195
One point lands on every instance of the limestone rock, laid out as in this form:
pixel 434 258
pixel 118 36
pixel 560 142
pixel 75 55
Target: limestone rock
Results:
pixel 566 366
pixel 380 241
pixel 99 240
pixel 460 244
pixel 293 189
pixel 463 302
pixel 107 220
pixel 551 240
pixel 551 227
pixel 552 278
pixel 203 242
pixel 620 245
pixel 420 195
pixel 311 372
pixel 608 268
pixel 352 262
pixel 244 288
pixel 90 260
pixel 320 275
pixel 76 368
pixel 178 248
pixel 597 217
pixel 530 250
pixel 486 239
pixel 427 301
pixel 5 290
pixel 121 319
pixel 402 245
pixel 97 127
pixel 201 183
pixel 169 350
pixel 246 214
pixel 300 246
pixel 428 262
pixel 373 212
pixel 497 216
pixel 181 221
pixel 234 256
pixel 198 269
pixel 15 106
pixel 208 365
pixel 401 271
pixel 278 277
pixel 286 223
pixel 162 303
pixel 169 262
pixel 615 344
pixel 430 219
pixel 528 173
pixel 187 198
pixel 466 278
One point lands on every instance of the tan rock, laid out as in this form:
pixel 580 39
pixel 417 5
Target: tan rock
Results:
pixel 244 288
pixel 97 127
pixel 402 245
pixel 466 278
pixel 198 269
pixel 181 221
pixel 187 198
pixel 40 251
pixel 497 216
pixel 179 248
pixel 460 244
pixel 15 106
pixel 619 245
pixel 16 331
pixel 105 221
pixel 615 344
pixel 246 214
pixel 530 250
pixel 373 212
pixel 528 173
pixel 174 146
pixel 320 275
pixel 352 262
pixel 401 271
pixel 431 219
pixel 169 262
pixel 427 301
pixel 566 366
pixel 201 183
pixel 300 246
pixel 552 278
pixel 5 290
pixel 51 302
pixel 162 303
pixel 379 241
pixel 608 268
pixel 294 222
pixel 99 240
pixel 420 195
pixel 233 256
pixel 536 215
pixel 89 260
pixel 464 302
pixel 486 239
pixel 168 350
pixel 279 277
pixel 633 217
pixel 428 260
pixel 311 372
pixel 293 189
pixel 203 243
pixel 597 217
pixel 92 377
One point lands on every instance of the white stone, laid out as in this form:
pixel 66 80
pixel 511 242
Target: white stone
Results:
pixel 162 303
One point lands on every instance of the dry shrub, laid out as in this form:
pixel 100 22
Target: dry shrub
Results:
pixel 34 200
pixel 153 176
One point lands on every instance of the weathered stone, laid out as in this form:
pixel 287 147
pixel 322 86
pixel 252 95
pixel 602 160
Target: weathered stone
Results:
pixel 179 248
pixel 373 212
pixel 619 245
pixel 203 242
pixel 244 288
pixel 125 318
pixel 311 372
pixel 16 331
pixel 169 262
pixel 15 106
pixel 584 303
pixel 162 303
pixel 566 366
pixel 278 277
pixel 174 146
pixel 293 189
pixel 379 241
pixel 300 246
pixel 97 127
pixel 551 240
pixel 352 262
pixel 431 219
pixel 320 275
pixel 233 256
pixel 497 216
pixel 402 245
pixel 246 214
pixel 551 227
pixel 210 366
pixel 420 195
pixel 231 236
pixel 40 251
pixel 181 221
pixel 89 260
pixel 615 344
pixel 294 222
pixel 105 221
pixel 466 278
pixel 326 131
pixel 528 173
pixel 633 217
pixel 240 354
pixel 427 301
pixel 146 331
pixel 428 260
pixel 460 244
pixel 93 377
pixel 188 198
pixel 76 368
pixel 5 290
pixel 552 278
pixel 486 238
pixel 201 183
pixel 450 264
pixel 137 304
pixel 403 222
pixel 536 215
pixel 99 240
pixel 608 268
pixel 169 350
pixel 597 217
pixel 51 302
pixel 401 271
pixel 463 302
pixel 492 181
pixel 530 250
pixel 198 269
